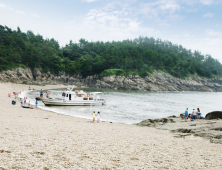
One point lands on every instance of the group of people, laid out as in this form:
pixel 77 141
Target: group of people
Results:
pixel 13 93
pixel 46 94
pixel 96 116
pixel 192 116
pixel 23 102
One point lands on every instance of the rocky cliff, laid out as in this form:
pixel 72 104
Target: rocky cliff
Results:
pixel 158 82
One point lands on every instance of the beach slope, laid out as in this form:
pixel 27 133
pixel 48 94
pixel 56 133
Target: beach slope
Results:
pixel 38 139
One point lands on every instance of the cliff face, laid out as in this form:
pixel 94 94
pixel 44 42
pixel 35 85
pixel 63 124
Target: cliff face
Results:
pixel 158 82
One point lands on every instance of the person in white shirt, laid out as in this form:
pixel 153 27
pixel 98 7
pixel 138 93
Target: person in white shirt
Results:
pixel 194 114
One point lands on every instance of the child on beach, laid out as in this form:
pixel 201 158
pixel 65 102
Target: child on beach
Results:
pixel 98 116
pixel 36 103
pixel 29 103
pixel 189 116
pixel 94 116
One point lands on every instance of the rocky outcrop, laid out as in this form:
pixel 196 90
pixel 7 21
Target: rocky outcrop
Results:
pixel 208 129
pixel 158 82
pixel 214 115
pixel 155 122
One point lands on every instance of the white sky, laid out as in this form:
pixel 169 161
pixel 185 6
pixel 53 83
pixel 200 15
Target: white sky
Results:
pixel 194 24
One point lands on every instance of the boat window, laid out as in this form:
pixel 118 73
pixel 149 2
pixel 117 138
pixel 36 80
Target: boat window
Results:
pixel 85 98
pixel 67 95
pixel 90 98
pixel 63 94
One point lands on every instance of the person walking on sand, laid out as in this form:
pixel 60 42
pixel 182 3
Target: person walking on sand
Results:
pixel 98 116
pixel 94 116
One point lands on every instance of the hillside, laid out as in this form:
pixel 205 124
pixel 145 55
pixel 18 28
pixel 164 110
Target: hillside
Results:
pixel 140 56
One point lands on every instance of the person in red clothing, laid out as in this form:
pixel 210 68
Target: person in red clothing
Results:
pixel 47 94
pixel 198 115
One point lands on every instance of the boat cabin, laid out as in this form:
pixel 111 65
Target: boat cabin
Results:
pixel 79 95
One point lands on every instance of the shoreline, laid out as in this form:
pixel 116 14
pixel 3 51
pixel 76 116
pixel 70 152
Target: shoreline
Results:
pixel 159 81
pixel 180 132
pixel 39 139
pixel 87 115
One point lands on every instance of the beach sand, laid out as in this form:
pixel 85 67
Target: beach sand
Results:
pixel 38 139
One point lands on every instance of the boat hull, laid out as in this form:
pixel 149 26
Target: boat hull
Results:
pixel 49 102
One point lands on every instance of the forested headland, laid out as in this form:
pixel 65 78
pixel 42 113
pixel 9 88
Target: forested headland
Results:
pixel 140 56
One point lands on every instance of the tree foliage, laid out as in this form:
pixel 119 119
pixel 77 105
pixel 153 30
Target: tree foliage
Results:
pixel 139 56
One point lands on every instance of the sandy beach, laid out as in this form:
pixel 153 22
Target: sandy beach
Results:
pixel 38 139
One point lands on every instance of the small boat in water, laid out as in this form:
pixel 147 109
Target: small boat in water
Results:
pixel 75 98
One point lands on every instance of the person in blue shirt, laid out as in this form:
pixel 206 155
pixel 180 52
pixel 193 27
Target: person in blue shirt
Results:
pixel 186 114
pixel 41 93
pixel 36 103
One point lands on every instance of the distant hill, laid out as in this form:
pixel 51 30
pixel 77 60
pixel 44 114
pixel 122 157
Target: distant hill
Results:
pixel 140 56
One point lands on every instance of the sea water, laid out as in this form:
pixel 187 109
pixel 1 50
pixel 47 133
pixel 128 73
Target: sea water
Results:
pixel 132 107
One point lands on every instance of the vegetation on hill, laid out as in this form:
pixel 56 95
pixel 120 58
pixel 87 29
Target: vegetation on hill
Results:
pixel 139 56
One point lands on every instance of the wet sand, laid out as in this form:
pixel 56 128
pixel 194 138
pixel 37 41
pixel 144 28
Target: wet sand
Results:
pixel 38 139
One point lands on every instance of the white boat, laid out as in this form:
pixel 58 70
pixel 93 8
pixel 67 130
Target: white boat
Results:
pixel 75 98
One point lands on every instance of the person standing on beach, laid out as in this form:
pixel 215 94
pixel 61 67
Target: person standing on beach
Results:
pixel 47 94
pixel 24 101
pixel 98 116
pixel 36 103
pixel 94 116
pixel 41 93
pixel 186 113
pixel 198 113
pixel 194 114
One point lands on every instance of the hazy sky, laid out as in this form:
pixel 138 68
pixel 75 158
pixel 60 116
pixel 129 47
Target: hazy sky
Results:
pixel 194 24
